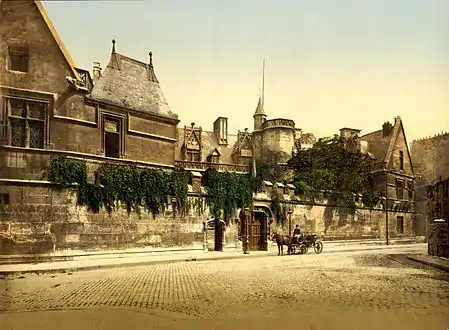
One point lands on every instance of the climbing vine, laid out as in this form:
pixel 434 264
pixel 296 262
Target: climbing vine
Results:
pixel 116 185
pixel 67 171
pixel 277 209
pixel 227 191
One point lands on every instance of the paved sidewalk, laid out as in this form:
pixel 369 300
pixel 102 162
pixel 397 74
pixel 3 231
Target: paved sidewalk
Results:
pixel 437 262
pixel 91 262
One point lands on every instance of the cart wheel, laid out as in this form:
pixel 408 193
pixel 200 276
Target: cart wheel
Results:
pixel 303 249
pixel 293 250
pixel 318 247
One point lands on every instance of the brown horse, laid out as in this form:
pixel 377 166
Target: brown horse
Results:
pixel 282 240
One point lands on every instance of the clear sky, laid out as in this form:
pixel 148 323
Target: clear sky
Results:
pixel 331 64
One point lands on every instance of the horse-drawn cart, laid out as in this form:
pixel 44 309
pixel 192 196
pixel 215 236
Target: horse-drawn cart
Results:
pixel 298 245
pixel 302 244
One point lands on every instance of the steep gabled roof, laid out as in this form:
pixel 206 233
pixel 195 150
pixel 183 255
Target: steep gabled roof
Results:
pixel 209 143
pixel 398 129
pixel 381 147
pixel 377 144
pixel 57 38
pixel 132 84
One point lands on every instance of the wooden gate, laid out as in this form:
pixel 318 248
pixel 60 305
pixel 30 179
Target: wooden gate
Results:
pixel 255 234
pixel 254 230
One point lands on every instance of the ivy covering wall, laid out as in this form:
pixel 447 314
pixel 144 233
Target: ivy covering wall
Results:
pixel 227 192
pixel 116 185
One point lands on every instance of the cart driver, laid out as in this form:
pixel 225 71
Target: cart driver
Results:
pixel 296 234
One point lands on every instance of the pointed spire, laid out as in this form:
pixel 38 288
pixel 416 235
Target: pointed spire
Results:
pixel 151 58
pixel 259 109
pixel 113 46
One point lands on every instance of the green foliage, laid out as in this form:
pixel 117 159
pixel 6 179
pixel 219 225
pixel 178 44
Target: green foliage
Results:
pixel 268 168
pixel 67 171
pixel 227 192
pixel 330 166
pixel 179 180
pixel 117 185
pixel 277 209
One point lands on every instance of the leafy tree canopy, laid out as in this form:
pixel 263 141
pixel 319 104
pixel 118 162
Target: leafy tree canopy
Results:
pixel 269 167
pixel 331 166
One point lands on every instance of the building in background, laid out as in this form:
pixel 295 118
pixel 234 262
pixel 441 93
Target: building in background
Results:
pixel 430 158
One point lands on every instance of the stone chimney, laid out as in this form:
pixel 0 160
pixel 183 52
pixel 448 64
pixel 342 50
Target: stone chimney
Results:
pixel 96 72
pixel 386 129
pixel 351 136
pixel 221 130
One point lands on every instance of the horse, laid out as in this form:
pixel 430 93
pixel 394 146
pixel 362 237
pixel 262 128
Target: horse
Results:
pixel 282 240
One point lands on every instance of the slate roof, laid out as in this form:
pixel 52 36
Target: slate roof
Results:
pixel 381 148
pixel 132 84
pixel 209 142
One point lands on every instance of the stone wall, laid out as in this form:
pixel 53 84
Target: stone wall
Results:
pixel 37 216
pixel 438 241
pixel 430 157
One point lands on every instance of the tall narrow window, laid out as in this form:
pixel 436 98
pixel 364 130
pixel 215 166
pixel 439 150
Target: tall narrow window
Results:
pixel 26 123
pixel 400 225
pixel 400 189
pixel 112 138
pixel 18 59
pixel 410 191
pixel 401 160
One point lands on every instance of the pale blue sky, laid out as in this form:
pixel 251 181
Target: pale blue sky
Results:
pixel 331 64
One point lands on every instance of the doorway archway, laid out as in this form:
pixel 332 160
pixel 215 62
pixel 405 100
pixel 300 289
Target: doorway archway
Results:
pixel 255 227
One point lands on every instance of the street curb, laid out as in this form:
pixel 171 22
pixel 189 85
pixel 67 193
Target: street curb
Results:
pixel 167 261
pixel 441 267
pixel 131 264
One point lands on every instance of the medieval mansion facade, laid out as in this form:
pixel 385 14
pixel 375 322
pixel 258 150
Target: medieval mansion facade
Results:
pixel 50 108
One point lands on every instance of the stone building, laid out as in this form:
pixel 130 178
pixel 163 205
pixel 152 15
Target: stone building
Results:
pixel 389 159
pixel 51 108
pixel 430 158
pixel 438 218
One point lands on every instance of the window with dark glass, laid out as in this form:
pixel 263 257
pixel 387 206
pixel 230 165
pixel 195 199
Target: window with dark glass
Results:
pixel 4 198
pixel 401 160
pixel 112 138
pixel 18 59
pixel 400 189
pixel 400 225
pixel 410 191
pixel 26 123
pixel 193 156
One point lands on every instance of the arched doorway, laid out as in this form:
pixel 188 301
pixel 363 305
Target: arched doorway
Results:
pixel 255 227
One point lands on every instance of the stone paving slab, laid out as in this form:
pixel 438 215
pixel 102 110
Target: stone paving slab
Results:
pixel 85 263
pixel 437 262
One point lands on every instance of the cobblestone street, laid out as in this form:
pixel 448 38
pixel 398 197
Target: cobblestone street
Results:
pixel 314 290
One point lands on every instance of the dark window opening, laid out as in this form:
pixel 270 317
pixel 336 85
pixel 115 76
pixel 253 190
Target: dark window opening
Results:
pixel 193 156
pixel 400 224
pixel 401 160
pixel 18 59
pixel 4 198
pixel 213 159
pixel 400 189
pixel 112 138
pixel 410 191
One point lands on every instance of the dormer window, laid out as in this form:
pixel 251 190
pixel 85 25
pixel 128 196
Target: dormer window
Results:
pixel 18 59
pixel 214 157
pixel 193 156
